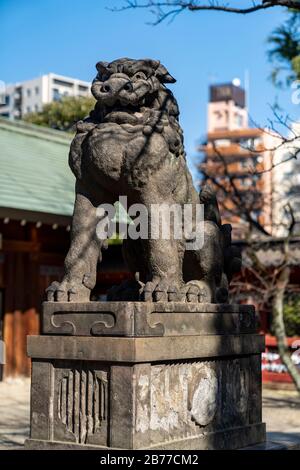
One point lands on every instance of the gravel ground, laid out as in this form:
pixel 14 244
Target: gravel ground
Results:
pixel 14 413
pixel 281 413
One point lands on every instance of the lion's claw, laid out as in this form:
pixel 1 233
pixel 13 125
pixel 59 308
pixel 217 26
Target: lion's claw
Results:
pixel 161 291
pixel 67 292
pixel 158 291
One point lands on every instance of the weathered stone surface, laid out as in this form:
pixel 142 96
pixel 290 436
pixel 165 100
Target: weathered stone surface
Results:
pixel 123 403
pixel 69 402
pixel 146 319
pixel 41 393
pixel 142 349
pixel 200 391
pixel 80 403
pixel 231 439
pixel 178 404
pixel 132 145
pixel 203 400
pixel 191 398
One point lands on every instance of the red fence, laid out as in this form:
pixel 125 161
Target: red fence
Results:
pixel 273 370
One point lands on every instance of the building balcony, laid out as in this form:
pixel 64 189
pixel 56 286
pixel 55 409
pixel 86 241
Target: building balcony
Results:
pixel 231 150
pixel 246 133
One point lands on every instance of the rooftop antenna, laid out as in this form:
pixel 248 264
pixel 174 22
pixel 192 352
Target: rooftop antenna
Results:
pixel 236 82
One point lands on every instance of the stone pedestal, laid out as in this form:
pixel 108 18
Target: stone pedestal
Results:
pixel 134 375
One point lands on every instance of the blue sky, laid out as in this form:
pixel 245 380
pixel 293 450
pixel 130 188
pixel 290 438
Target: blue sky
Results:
pixel 69 36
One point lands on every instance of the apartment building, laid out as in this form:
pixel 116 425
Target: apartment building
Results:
pixel 286 184
pixel 22 98
pixel 238 158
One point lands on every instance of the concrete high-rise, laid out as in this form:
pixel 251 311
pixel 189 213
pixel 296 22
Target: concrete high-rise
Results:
pixel 238 160
pixel 29 96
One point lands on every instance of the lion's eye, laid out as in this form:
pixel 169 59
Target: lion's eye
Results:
pixel 140 76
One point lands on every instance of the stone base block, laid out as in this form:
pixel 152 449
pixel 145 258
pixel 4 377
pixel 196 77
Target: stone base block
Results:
pixel 230 439
pixel 167 391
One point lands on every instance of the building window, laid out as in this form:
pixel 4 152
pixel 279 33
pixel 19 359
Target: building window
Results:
pixel 5 100
pixel 56 81
pixel 82 88
pixel 218 115
pixel 28 92
pixel 55 94
pixel 239 120
pixel 245 163
pixel 28 109
pixel 222 142
pixel 37 90
pixel 36 108
pixel 249 143
pixel 245 182
pixel 258 141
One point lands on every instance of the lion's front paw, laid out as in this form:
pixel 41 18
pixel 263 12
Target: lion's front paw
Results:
pixel 159 291
pixel 67 291
pixel 163 291
pixel 197 291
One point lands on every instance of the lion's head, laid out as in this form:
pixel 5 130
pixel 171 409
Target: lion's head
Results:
pixel 132 94
pixel 128 82
pixel 128 86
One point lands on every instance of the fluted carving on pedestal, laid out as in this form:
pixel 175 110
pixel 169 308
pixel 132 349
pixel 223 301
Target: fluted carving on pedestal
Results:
pixel 82 402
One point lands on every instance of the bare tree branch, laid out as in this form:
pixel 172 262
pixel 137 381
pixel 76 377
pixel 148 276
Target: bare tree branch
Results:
pixel 171 8
pixel 268 284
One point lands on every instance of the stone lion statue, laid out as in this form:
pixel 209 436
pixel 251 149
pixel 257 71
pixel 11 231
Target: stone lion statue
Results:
pixel 132 144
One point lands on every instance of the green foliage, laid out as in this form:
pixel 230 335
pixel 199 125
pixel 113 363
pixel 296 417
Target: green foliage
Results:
pixel 296 66
pixel 291 314
pixel 285 51
pixel 62 114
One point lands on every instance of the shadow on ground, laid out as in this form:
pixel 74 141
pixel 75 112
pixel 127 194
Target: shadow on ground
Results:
pixel 282 402
pixel 284 437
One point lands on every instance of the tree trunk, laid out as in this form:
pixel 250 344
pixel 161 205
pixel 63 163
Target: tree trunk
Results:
pixel 279 327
